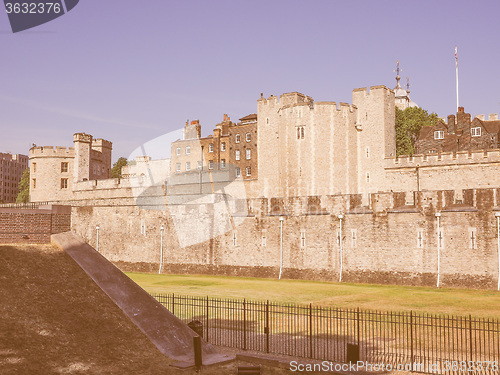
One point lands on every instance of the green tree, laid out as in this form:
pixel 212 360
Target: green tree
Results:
pixel 408 125
pixel 24 187
pixel 116 171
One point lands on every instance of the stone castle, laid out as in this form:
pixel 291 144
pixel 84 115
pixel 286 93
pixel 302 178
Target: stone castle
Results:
pixel 319 186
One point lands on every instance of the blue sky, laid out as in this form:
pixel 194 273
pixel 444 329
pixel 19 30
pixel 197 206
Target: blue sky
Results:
pixel 130 71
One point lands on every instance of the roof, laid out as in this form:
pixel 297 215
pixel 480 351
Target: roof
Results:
pixel 491 126
pixel 253 116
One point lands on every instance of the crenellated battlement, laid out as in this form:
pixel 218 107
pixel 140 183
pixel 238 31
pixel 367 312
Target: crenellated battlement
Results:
pixel 374 90
pixel 445 159
pixel 52 151
pixel 82 137
pixel 102 143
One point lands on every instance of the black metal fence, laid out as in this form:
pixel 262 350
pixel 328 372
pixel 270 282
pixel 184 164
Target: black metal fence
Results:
pixel 418 342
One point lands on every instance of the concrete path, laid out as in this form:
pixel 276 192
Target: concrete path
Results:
pixel 170 335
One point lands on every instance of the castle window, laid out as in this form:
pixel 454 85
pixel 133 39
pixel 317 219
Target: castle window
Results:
pixel 303 239
pixel 188 150
pixel 300 132
pixel 249 171
pixel 248 154
pixel 237 155
pixel 237 172
pixel 199 166
pixel 267 120
pixel 235 239
pixel 248 137
pixel 367 152
pixel 367 176
pixel 178 167
pixel 211 147
pixel 264 238
pixel 472 238
pixel 354 237
pixel 143 227
pixel 210 164
pixel 178 151
pixel 237 138
pixel 34 183
pixel 222 163
pixel 439 134
pixel 475 132
pixel 188 166
pixel 64 183
pixel 420 239
pixel 441 238
pixel 34 167
pixel 223 146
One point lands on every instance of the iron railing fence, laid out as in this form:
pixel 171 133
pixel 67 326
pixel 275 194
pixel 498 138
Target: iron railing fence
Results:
pixel 30 205
pixel 428 343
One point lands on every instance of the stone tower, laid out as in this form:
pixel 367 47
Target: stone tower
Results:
pixel 376 135
pixel 83 145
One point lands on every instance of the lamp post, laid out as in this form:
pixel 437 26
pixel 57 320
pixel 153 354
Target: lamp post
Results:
pixel 97 229
pixel 161 248
pixel 497 215
pixel 341 218
pixel 438 215
pixel 281 246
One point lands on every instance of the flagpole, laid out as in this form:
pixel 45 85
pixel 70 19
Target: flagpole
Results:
pixel 456 67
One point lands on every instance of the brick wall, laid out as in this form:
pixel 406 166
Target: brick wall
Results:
pixel 31 225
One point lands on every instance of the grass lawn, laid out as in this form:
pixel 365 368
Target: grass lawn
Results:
pixel 481 303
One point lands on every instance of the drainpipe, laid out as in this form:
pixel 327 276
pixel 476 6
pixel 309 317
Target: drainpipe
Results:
pixel 438 215
pixel 97 229
pixel 341 217
pixel 497 215
pixel 161 248
pixel 281 246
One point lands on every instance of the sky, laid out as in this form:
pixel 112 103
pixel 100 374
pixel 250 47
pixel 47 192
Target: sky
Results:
pixel 132 71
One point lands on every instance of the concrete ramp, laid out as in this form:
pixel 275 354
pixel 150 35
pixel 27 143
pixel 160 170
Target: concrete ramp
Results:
pixel 170 335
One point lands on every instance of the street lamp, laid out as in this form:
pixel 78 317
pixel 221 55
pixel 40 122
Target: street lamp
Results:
pixel 282 219
pixel 438 216
pixel 97 229
pixel 497 215
pixel 341 218
pixel 161 248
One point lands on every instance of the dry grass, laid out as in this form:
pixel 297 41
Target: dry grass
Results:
pixel 55 320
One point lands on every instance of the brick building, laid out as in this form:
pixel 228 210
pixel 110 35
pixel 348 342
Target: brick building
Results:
pixel 231 147
pixel 11 171
pixel 460 134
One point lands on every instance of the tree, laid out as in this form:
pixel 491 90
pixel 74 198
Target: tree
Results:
pixel 408 125
pixel 24 187
pixel 116 171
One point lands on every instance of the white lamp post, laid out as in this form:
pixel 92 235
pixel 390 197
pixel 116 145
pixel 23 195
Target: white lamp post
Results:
pixel 97 229
pixel 497 215
pixel 341 218
pixel 438 215
pixel 161 248
pixel 281 246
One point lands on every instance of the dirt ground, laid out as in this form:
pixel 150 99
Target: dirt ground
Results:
pixel 55 320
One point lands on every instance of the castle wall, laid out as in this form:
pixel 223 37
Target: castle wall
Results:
pixel 46 173
pixel 386 242
pixel 460 170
